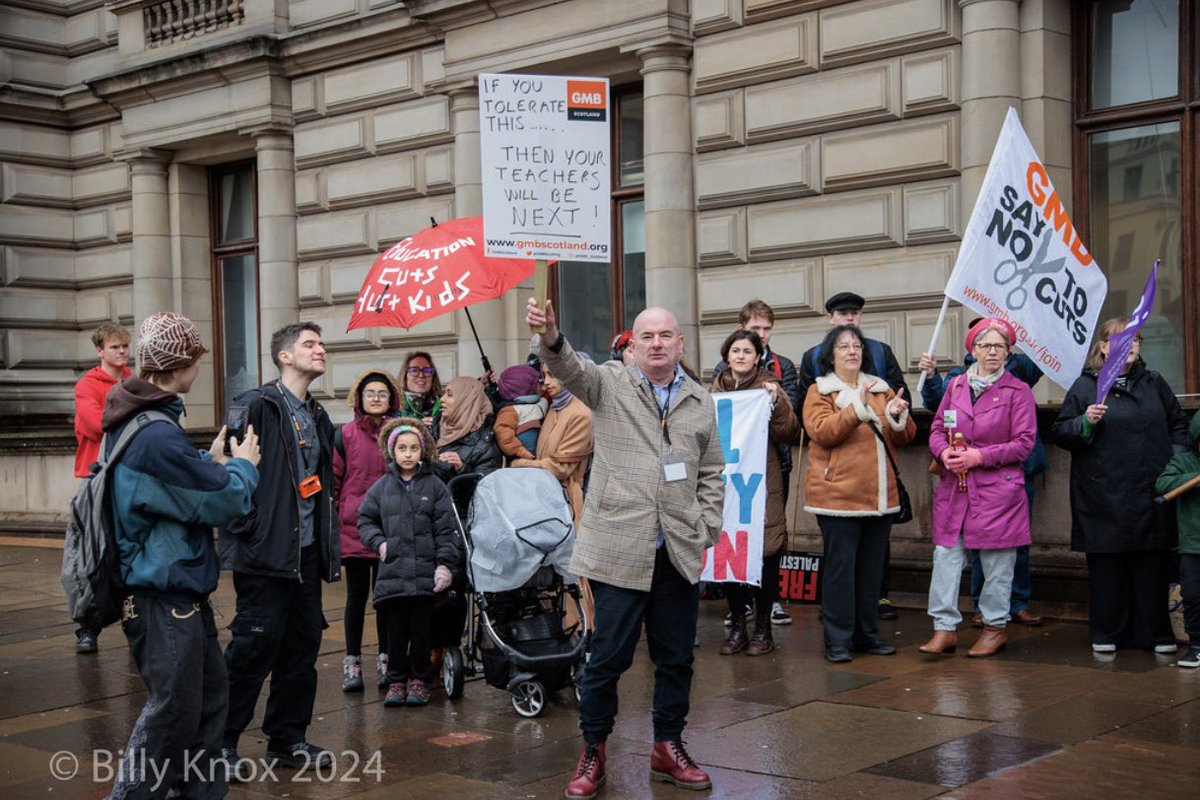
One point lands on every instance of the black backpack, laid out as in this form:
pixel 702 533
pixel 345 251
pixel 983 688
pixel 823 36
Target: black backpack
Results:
pixel 91 566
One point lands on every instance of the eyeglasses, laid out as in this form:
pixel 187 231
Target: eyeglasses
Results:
pixel 377 395
pixel 415 371
pixel 849 348
pixel 991 347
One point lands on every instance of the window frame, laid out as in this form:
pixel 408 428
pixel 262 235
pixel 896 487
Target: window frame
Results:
pixel 619 196
pixel 1183 108
pixel 218 251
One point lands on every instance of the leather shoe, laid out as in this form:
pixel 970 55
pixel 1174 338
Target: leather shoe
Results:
pixel 1027 617
pixel 763 641
pixel 671 763
pixel 977 620
pixel 877 647
pixel 589 772
pixel 990 642
pixel 736 641
pixel 942 642
pixel 838 655
pixel 302 755
pixel 229 760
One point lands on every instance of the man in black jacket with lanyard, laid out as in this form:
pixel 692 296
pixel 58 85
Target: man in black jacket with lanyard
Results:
pixel 280 553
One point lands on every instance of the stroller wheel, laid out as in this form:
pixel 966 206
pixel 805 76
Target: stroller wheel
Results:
pixel 529 698
pixel 452 673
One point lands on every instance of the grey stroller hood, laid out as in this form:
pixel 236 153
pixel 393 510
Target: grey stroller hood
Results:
pixel 519 521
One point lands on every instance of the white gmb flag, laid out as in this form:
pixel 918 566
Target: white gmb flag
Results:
pixel 1021 260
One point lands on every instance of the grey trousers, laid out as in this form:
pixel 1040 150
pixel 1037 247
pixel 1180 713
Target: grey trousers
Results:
pixel 995 597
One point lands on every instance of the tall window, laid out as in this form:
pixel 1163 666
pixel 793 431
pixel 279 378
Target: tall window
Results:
pixel 595 301
pixel 1137 162
pixel 234 235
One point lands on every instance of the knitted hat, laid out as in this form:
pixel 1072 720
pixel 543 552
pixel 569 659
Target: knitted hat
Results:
pixel 990 324
pixel 168 341
pixel 517 381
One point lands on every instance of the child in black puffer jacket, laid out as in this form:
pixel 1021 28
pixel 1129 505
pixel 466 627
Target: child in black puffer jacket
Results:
pixel 407 518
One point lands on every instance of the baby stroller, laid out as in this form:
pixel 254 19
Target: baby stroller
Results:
pixel 518 537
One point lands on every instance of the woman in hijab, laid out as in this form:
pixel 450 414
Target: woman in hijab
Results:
pixel 466 442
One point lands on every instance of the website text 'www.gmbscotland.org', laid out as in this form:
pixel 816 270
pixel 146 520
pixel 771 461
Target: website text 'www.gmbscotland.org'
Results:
pixel 538 243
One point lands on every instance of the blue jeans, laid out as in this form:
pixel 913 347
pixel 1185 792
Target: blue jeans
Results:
pixel 1021 581
pixel 669 611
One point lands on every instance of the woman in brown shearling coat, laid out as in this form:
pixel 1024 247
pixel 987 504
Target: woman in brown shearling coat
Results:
pixel 850 488
pixel 743 351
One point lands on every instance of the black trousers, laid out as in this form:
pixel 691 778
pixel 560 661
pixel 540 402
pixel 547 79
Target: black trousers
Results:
pixel 1189 582
pixel 669 611
pixel 359 574
pixel 409 623
pixel 851 571
pixel 276 632
pixel 173 640
pixel 740 595
pixel 1129 598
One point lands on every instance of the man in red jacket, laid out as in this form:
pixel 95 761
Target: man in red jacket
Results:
pixel 112 345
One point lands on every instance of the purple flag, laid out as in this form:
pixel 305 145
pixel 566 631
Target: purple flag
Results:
pixel 1120 343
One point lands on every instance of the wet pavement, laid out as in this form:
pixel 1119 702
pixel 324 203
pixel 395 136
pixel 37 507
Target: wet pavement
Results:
pixel 1046 719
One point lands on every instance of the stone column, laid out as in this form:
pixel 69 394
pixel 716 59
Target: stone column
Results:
pixel 151 220
pixel 991 83
pixel 278 271
pixel 490 319
pixel 670 196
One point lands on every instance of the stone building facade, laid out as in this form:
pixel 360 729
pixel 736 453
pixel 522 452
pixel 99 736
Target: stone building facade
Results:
pixel 243 161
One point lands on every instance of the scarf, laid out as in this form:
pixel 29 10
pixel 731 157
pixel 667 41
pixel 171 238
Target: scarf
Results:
pixel 471 409
pixel 420 405
pixel 727 382
pixel 560 400
pixel 980 383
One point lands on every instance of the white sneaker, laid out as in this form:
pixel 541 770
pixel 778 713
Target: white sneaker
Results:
pixel 779 616
pixel 1103 648
pixel 1166 648
pixel 749 615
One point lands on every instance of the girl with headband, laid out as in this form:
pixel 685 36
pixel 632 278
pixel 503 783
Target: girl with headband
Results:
pixel 408 520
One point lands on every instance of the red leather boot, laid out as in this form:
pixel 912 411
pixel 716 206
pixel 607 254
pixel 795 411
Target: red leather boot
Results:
pixel 671 763
pixel 589 773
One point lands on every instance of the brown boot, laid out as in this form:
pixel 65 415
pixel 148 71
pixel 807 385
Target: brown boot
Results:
pixel 990 642
pixel 736 642
pixel 762 642
pixel 942 642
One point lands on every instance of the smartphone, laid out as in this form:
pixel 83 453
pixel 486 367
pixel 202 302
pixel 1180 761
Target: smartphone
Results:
pixel 236 418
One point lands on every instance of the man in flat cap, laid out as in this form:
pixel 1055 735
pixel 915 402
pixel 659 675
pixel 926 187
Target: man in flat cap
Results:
pixel 845 308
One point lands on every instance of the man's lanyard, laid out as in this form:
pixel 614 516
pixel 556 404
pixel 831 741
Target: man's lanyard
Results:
pixel 300 440
pixel 663 409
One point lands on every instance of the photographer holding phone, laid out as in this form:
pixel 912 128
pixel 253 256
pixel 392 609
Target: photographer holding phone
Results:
pixel 166 496
pixel 280 552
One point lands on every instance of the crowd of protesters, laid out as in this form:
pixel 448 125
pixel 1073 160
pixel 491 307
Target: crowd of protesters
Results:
pixel 301 502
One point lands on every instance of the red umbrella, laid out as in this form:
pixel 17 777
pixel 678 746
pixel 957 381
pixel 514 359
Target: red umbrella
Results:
pixel 433 272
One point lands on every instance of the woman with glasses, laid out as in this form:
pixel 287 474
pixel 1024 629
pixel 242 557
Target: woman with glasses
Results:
pixel 422 389
pixel 854 420
pixel 1119 444
pixel 982 433
pixel 357 464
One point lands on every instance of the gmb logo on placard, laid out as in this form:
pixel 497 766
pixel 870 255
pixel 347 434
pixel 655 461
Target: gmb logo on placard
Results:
pixel 587 100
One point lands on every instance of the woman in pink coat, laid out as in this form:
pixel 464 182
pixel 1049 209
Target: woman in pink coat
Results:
pixel 982 431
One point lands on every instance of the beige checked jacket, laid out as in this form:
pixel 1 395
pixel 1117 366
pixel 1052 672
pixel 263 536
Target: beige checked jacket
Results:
pixel 628 498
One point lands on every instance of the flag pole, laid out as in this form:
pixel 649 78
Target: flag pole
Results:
pixel 937 331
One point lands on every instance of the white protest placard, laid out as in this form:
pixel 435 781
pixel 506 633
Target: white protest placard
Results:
pixel 1022 261
pixel 547 167
pixel 742 420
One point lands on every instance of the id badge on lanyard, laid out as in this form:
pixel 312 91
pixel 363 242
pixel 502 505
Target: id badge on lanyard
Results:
pixel 674 466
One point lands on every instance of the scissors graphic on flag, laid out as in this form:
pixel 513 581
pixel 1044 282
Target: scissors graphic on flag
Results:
pixel 1009 270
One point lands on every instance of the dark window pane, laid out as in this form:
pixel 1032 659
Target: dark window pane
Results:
pixel 237 207
pixel 633 258
pixel 585 297
pixel 632 121
pixel 1132 223
pixel 1135 51
pixel 239 323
